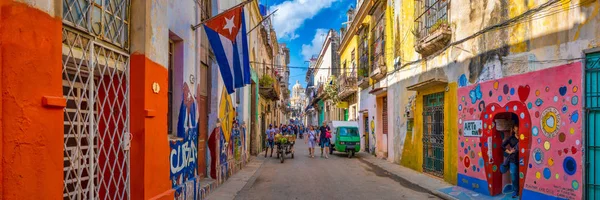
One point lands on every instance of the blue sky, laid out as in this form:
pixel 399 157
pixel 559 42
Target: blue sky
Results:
pixel 303 25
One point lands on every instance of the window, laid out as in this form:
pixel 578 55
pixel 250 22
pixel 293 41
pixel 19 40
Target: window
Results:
pixel 378 38
pixel 430 15
pixel 107 19
pixel 344 131
pixel 170 90
pixel 363 53
pixel 352 70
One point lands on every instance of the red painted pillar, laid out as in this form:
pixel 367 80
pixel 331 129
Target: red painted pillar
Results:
pixel 150 147
pixel 31 131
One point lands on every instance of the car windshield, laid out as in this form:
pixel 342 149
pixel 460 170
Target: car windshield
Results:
pixel 348 131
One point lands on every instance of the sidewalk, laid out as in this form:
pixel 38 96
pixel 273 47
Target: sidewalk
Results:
pixel 426 182
pixel 229 189
pixel 435 186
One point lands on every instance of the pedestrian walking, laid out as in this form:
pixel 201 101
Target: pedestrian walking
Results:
pixel 324 140
pixel 270 139
pixel 311 140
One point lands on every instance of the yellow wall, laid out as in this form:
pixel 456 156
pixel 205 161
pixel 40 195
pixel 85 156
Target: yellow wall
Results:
pixel 412 155
pixel 346 54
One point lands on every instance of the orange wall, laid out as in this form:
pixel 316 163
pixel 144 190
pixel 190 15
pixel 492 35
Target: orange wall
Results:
pixel 32 134
pixel 150 147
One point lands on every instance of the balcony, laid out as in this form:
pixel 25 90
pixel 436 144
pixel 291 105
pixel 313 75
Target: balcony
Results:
pixel 268 88
pixel 347 84
pixel 379 69
pixel 432 28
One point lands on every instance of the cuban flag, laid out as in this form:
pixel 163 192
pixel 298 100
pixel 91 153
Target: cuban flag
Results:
pixel 227 35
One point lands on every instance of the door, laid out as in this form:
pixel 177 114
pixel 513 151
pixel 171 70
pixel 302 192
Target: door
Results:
pixel 345 114
pixel 96 120
pixel 253 116
pixel 433 134
pixel 592 119
pixel 366 133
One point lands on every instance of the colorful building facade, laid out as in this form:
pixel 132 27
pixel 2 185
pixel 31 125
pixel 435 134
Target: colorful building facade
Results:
pixel 129 104
pixel 453 64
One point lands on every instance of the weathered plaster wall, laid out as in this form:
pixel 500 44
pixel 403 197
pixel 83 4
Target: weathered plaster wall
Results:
pixel 32 133
pixel 493 55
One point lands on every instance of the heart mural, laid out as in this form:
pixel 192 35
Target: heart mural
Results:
pixel 548 108
pixel 523 93
pixel 497 154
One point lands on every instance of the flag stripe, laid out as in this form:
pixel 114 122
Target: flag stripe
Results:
pixel 246 57
pixel 237 70
pixel 215 42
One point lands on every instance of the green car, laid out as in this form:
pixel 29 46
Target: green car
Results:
pixel 345 137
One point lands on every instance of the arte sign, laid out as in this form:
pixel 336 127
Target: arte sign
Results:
pixel 472 128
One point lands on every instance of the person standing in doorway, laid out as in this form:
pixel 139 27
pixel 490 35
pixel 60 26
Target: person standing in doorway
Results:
pixel 324 141
pixel 311 140
pixel 511 147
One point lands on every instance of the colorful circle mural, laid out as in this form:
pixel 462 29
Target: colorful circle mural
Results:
pixel 570 165
pixel 550 122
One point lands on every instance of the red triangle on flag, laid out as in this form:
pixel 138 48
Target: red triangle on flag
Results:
pixel 228 23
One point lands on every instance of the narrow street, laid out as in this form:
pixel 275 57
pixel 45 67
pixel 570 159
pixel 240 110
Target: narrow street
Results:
pixel 318 178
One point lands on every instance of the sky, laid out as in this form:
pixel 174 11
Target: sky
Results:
pixel 303 26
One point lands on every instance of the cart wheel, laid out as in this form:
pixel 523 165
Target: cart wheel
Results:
pixel 352 153
pixel 281 159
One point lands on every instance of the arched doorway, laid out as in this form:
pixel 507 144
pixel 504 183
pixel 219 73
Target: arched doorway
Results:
pixel 492 140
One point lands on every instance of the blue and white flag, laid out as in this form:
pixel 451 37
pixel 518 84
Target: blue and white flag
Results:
pixel 227 35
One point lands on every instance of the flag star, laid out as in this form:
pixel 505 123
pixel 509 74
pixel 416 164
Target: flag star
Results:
pixel 229 24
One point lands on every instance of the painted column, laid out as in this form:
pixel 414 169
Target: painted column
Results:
pixel 32 101
pixel 149 103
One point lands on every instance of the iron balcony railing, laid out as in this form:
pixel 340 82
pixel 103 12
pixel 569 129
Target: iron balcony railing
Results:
pixel 431 15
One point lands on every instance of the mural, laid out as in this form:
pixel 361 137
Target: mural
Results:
pixel 545 105
pixel 373 137
pixel 221 141
pixel 184 151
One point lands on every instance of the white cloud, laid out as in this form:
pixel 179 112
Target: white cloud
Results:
pixel 292 14
pixel 308 50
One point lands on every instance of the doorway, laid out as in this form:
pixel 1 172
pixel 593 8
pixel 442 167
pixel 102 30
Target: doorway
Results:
pixel 366 133
pixel 253 116
pixel 433 134
pixel 504 123
pixel 592 116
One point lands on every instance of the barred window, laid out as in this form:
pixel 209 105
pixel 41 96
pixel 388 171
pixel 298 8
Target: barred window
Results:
pixel 430 14
pixel 106 19
pixel 363 53
pixel 378 37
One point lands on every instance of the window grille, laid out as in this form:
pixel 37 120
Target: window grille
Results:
pixel 378 38
pixel 430 15
pixel 433 134
pixel 96 118
pixel 107 20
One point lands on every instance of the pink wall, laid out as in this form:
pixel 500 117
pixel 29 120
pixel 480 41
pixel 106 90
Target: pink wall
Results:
pixel 548 105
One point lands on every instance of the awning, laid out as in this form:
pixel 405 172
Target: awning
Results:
pixel 427 84
pixel 378 91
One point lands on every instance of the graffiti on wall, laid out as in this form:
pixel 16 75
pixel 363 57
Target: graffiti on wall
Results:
pixel 373 137
pixel 545 106
pixel 184 152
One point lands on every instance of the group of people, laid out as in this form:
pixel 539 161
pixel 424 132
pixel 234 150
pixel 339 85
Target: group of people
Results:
pixel 284 129
pixel 318 135
pixel 315 135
